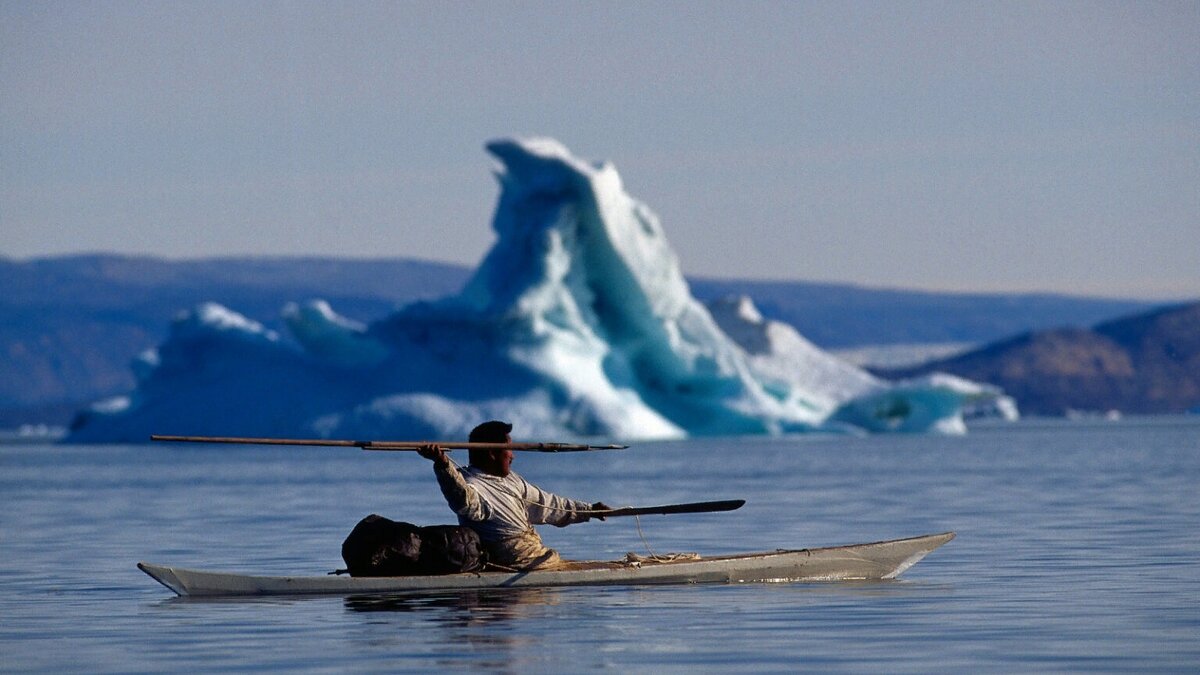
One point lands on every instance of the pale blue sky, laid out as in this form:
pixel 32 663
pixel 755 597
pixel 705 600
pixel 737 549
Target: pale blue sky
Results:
pixel 943 145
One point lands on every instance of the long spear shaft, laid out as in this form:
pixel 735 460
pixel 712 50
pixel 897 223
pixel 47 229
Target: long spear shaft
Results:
pixel 389 445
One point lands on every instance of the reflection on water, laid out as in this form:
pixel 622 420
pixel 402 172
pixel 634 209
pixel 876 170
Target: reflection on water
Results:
pixel 488 626
pixel 464 608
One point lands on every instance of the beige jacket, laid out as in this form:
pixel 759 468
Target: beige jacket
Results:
pixel 503 511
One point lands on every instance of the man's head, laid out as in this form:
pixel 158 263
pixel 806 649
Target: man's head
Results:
pixel 494 462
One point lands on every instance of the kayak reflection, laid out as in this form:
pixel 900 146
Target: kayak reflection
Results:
pixel 462 608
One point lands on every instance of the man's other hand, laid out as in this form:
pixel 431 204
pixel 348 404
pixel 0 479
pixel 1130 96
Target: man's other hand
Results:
pixel 600 506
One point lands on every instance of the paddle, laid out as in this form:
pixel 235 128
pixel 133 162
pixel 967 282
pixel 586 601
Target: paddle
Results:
pixel 694 507
pixel 389 445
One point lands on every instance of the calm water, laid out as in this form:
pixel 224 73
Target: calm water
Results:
pixel 1078 549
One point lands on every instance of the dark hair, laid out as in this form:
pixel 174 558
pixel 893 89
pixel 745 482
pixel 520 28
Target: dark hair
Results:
pixel 494 431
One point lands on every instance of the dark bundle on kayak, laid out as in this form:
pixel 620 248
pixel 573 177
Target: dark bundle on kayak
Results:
pixel 379 547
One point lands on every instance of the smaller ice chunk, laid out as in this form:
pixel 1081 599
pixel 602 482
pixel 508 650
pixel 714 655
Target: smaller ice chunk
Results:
pixel 110 406
pixel 209 319
pixel 331 337
pixel 145 363
pixel 931 402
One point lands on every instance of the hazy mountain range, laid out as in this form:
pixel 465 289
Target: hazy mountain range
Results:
pixel 69 326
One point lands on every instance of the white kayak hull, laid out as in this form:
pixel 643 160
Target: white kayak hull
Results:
pixel 878 560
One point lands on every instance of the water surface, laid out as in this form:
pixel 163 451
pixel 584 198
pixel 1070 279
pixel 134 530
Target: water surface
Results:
pixel 1077 550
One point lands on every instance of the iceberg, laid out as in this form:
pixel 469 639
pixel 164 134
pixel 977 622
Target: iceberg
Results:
pixel 577 323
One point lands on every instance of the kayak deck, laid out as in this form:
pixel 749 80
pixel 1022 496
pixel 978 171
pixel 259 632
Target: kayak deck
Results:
pixel 877 560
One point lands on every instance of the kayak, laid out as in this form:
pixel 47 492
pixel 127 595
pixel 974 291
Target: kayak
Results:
pixel 878 560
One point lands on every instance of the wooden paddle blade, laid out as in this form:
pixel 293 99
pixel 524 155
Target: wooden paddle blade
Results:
pixel 694 507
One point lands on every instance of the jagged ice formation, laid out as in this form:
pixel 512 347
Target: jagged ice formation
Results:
pixel 577 323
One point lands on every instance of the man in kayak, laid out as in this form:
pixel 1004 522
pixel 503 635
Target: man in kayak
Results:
pixel 501 506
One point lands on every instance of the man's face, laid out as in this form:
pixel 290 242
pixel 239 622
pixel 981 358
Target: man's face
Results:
pixel 500 461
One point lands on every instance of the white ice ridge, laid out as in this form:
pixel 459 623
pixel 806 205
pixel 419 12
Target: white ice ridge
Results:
pixel 577 323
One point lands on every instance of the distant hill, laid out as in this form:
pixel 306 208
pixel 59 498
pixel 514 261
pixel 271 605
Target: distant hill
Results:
pixel 70 325
pixel 1146 363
